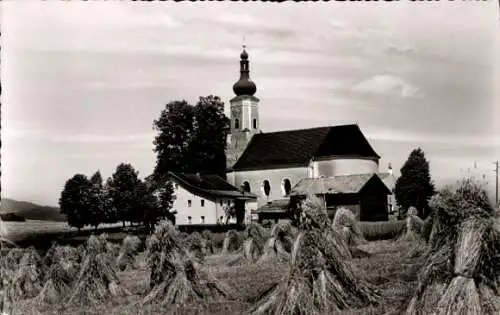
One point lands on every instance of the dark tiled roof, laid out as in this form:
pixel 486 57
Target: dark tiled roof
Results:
pixel 212 185
pixel 348 184
pixel 298 147
pixel 275 206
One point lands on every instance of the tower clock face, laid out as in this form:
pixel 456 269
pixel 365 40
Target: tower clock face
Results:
pixel 236 113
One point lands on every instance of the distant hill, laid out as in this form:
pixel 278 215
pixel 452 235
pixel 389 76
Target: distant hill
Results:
pixel 31 211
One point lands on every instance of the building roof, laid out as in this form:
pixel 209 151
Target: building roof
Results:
pixel 347 184
pixel 388 179
pixel 209 185
pixel 275 206
pixel 298 147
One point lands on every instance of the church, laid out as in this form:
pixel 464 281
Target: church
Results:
pixel 270 172
pixel 336 162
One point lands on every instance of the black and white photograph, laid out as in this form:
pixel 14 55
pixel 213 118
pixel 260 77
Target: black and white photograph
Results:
pixel 260 158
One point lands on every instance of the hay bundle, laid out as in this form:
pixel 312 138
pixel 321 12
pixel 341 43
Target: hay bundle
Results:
pixel 255 239
pixel 175 278
pixel 232 242
pixel 12 259
pixel 209 241
pixel 253 245
pixel 27 279
pixel 97 279
pixel 464 258
pixel 279 246
pixel 64 256
pixel 427 228
pixel 413 229
pixel 128 252
pixel 59 280
pixel 197 245
pixel 320 281
pixel 345 222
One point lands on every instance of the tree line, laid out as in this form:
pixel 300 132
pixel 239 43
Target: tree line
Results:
pixel 190 139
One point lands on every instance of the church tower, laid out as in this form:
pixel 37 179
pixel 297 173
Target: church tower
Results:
pixel 244 112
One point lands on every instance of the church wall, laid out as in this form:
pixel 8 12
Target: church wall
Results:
pixel 275 178
pixel 336 167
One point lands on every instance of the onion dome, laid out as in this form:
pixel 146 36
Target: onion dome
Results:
pixel 244 86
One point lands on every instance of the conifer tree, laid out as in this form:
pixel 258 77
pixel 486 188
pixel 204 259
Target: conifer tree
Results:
pixel 414 187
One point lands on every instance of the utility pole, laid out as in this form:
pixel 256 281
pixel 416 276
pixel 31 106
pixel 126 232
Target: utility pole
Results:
pixel 496 183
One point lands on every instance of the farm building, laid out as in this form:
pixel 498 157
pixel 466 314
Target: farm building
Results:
pixel 364 194
pixel 274 211
pixel 201 199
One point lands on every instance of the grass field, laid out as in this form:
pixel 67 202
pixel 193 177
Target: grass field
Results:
pixel 389 268
pixel 18 230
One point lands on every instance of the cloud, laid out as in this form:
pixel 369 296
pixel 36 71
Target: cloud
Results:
pixel 238 19
pixel 15 134
pixel 386 84
pixel 337 24
pixel 404 50
pixel 485 141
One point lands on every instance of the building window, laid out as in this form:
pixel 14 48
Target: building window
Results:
pixel 236 123
pixel 266 187
pixel 189 220
pixel 176 186
pixel 221 202
pixel 254 123
pixel 202 202
pixel 202 219
pixel 287 187
pixel 246 186
pixel 228 202
pixel 189 203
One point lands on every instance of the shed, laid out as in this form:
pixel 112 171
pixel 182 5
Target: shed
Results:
pixel 274 211
pixel 364 194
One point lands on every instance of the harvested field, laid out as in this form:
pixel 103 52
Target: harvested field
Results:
pixel 388 269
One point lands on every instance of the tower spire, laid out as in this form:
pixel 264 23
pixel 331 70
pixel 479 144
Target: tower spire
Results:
pixel 244 86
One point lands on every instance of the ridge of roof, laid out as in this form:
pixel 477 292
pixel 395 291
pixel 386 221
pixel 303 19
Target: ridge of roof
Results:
pixel 279 148
pixel 222 188
pixel 352 183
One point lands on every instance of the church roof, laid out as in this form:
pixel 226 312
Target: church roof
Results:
pixel 298 147
pixel 208 185
pixel 344 184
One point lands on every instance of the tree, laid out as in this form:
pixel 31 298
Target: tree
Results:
pixel 174 127
pixel 163 191
pixel 414 187
pixel 97 213
pixel 75 201
pixel 207 147
pixel 192 139
pixel 229 211
pixel 122 187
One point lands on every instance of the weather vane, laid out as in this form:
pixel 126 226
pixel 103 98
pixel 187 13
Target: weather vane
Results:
pixel 244 45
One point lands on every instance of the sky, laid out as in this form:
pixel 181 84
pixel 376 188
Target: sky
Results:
pixel 82 82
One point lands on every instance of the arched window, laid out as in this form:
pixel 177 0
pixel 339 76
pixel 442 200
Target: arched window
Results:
pixel 254 123
pixel 246 186
pixel 266 187
pixel 236 123
pixel 287 186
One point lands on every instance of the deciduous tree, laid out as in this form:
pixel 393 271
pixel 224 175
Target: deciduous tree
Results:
pixel 122 189
pixel 75 200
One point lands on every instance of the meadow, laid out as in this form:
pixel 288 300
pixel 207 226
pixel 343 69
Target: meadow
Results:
pixel 448 264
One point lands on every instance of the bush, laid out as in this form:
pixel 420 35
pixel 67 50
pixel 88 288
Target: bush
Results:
pixel 12 217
